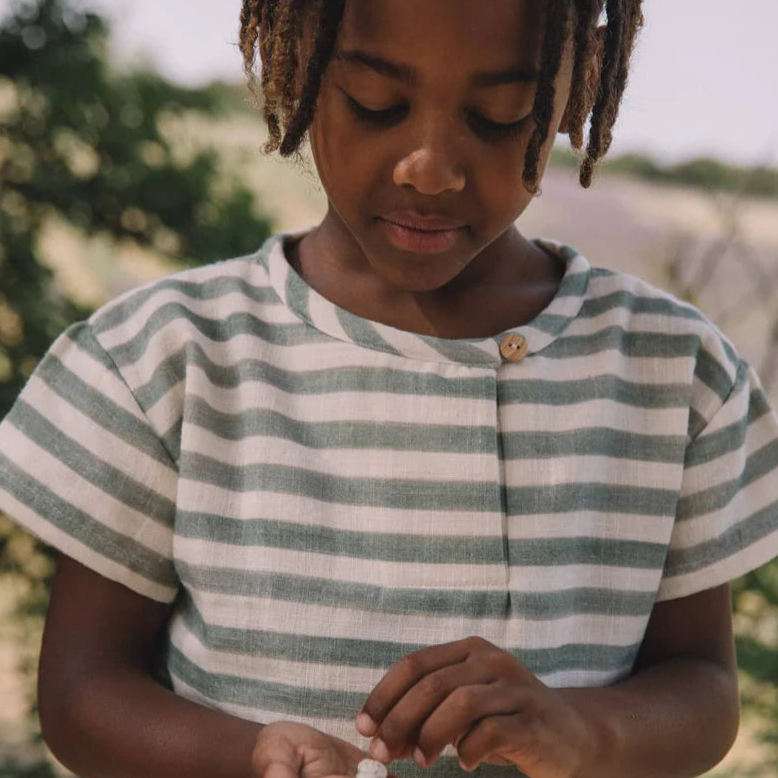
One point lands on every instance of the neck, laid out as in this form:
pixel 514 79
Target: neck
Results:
pixel 505 286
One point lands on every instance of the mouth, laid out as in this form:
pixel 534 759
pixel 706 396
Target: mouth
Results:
pixel 422 234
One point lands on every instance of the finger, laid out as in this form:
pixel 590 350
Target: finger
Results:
pixel 275 757
pixel 404 674
pixel 490 735
pixel 398 733
pixel 279 770
pixel 459 713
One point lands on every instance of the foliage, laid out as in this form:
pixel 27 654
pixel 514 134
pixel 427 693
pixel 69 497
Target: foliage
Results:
pixel 755 600
pixel 13 769
pixel 701 173
pixel 84 144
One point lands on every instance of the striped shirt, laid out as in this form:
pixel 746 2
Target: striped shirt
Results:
pixel 322 494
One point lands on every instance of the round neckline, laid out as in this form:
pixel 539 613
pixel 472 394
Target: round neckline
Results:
pixel 322 314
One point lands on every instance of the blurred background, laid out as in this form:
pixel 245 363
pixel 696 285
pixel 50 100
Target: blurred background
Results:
pixel 129 149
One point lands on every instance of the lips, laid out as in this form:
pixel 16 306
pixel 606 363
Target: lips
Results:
pixel 420 234
pixel 415 221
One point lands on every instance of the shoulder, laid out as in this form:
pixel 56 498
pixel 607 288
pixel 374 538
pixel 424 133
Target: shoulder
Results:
pixel 681 334
pixel 649 308
pixel 629 296
pixel 197 299
pixel 156 328
pixel 209 289
pixel 669 336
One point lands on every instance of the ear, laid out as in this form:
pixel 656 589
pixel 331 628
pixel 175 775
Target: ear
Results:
pixel 591 81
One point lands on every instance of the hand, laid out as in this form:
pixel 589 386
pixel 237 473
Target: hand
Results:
pixel 289 750
pixel 478 697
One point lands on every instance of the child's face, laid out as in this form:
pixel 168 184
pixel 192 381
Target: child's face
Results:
pixel 426 67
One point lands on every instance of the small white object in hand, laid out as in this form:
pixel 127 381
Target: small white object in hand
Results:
pixel 369 768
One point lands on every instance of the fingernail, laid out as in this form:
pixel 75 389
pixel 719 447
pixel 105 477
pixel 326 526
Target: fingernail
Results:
pixel 419 758
pixel 379 750
pixel 365 725
pixel 464 767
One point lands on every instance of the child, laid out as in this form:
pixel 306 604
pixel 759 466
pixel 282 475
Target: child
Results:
pixel 407 476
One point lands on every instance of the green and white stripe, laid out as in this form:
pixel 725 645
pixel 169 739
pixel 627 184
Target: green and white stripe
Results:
pixel 324 493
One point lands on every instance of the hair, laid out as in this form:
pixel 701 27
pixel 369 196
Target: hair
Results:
pixel 275 27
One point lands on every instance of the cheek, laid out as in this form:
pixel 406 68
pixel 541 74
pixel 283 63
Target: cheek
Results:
pixel 346 162
pixel 498 184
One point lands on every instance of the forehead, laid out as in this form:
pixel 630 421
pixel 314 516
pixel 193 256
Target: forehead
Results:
pixel 455 34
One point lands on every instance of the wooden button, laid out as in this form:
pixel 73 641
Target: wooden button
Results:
pixel 514 348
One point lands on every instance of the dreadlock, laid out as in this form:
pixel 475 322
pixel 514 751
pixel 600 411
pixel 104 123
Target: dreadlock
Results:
pixel 274 28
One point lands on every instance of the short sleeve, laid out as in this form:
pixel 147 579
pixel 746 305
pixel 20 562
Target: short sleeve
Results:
pixel 727 518
pixel 81 468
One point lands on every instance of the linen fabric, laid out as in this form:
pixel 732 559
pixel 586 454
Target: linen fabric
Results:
pixel 320 494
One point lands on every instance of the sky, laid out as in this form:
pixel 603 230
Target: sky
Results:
pixel 704 79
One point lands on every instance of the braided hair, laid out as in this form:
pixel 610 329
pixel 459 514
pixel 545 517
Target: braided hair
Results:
pixel 274 28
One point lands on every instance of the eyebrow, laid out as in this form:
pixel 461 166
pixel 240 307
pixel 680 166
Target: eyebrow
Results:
pixel 407 74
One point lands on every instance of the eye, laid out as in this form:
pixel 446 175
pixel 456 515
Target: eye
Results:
pixel 384 118
pixel 490 130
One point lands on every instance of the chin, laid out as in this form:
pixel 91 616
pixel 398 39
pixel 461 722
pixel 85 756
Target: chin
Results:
pixel 421 274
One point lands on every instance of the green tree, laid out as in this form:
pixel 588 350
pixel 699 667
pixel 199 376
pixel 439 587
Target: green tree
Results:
pixel 83 143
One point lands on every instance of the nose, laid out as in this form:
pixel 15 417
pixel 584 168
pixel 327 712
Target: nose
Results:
pixel 431 168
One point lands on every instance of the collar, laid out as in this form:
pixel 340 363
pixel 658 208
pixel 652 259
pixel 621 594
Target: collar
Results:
pixel 318 312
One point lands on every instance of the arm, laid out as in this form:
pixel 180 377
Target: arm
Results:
pixel 102 713
pixel 678 714
pixel 675 717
